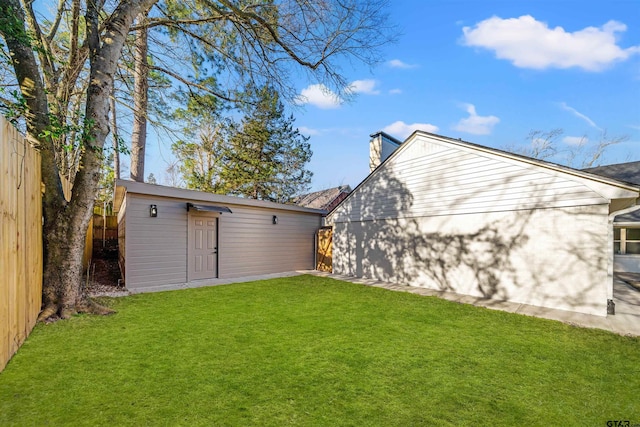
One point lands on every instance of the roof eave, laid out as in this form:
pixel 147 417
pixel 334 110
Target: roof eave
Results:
pixel 182 193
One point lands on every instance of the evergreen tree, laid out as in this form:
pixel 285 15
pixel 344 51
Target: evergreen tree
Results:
pixel 266 156
pixel 202 151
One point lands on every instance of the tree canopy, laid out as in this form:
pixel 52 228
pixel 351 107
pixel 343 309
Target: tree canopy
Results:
pixel 59 68
pixel 582 154
pixel 262 156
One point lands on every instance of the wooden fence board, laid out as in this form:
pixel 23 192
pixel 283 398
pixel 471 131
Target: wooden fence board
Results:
pixel 20 240
pixel 105 229
pixel 324 249
pixel 33 241
pixel 6 204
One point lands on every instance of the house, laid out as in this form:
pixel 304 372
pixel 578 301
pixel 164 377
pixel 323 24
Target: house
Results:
pixel 626 227
pixel 446 214
pixel 323 199
pixel 171 237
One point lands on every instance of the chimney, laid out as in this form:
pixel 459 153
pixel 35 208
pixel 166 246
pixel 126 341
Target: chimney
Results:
pixel 375 151
pixel 381 146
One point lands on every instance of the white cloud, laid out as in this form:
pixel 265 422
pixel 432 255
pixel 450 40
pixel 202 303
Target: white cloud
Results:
pixel 529 43
pixel 403 130
pixel 308 131
pixel 320 96
pixel 367 87
pixel 396 63
pixel 579 115
pixel 475 124
pixel 395 91
pixel 575 140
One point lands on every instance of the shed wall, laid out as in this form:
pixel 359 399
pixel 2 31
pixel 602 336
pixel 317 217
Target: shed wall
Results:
pixel 248 242
pixel 251 244
pixel 122 241
pixel 156 248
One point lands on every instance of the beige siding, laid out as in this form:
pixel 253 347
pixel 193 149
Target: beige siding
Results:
pixel 122 241
pixel 554 258
pixel 453 217
pixel 249 243
pixel 156 248
pixel 427 178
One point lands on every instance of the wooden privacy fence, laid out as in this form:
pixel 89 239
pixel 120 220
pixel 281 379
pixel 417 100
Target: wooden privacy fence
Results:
pixel 20 240
pixel 105 230
pixel 324 260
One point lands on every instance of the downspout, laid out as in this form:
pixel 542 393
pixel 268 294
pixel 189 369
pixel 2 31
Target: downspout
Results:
pixel 610 253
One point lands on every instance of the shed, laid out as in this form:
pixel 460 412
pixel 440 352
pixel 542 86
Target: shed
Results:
pixel 171 237
pixel 454 216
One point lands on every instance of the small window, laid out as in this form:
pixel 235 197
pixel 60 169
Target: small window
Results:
pixel 626 241
pixel 633 233
pixel 632 241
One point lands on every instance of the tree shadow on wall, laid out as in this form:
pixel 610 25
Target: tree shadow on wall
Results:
pixel 463 254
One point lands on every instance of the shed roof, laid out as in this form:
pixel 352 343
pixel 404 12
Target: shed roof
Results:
pixel 126 186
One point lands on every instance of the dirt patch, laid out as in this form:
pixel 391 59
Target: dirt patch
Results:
pixel 104 275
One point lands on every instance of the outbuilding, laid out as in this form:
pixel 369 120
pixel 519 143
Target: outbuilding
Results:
pixel 454 216
pixel 170 238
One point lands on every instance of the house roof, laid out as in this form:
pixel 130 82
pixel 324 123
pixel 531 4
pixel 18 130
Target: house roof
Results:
pixel 126 186
pixel 616 187
pixel 324 199
pixel 627 172
pixel 632 218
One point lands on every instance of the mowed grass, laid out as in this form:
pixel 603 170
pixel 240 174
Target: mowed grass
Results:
pixel 315 351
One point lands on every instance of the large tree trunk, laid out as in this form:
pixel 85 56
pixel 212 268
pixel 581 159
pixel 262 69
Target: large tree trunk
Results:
pixel 140 101
pixel 65 224
pixel 64 239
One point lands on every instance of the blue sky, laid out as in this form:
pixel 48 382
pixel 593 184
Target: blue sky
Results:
pixel 486 72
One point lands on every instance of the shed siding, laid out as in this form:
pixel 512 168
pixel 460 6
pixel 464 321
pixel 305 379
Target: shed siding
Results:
pixel 248 242
pixel 122 241
pixel 156 247
pixel 251 244
pixel 442 217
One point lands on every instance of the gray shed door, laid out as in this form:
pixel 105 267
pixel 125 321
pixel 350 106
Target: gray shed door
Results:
pixel 203 247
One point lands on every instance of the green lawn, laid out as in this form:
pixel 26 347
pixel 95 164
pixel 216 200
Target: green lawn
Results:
pixel 314 351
